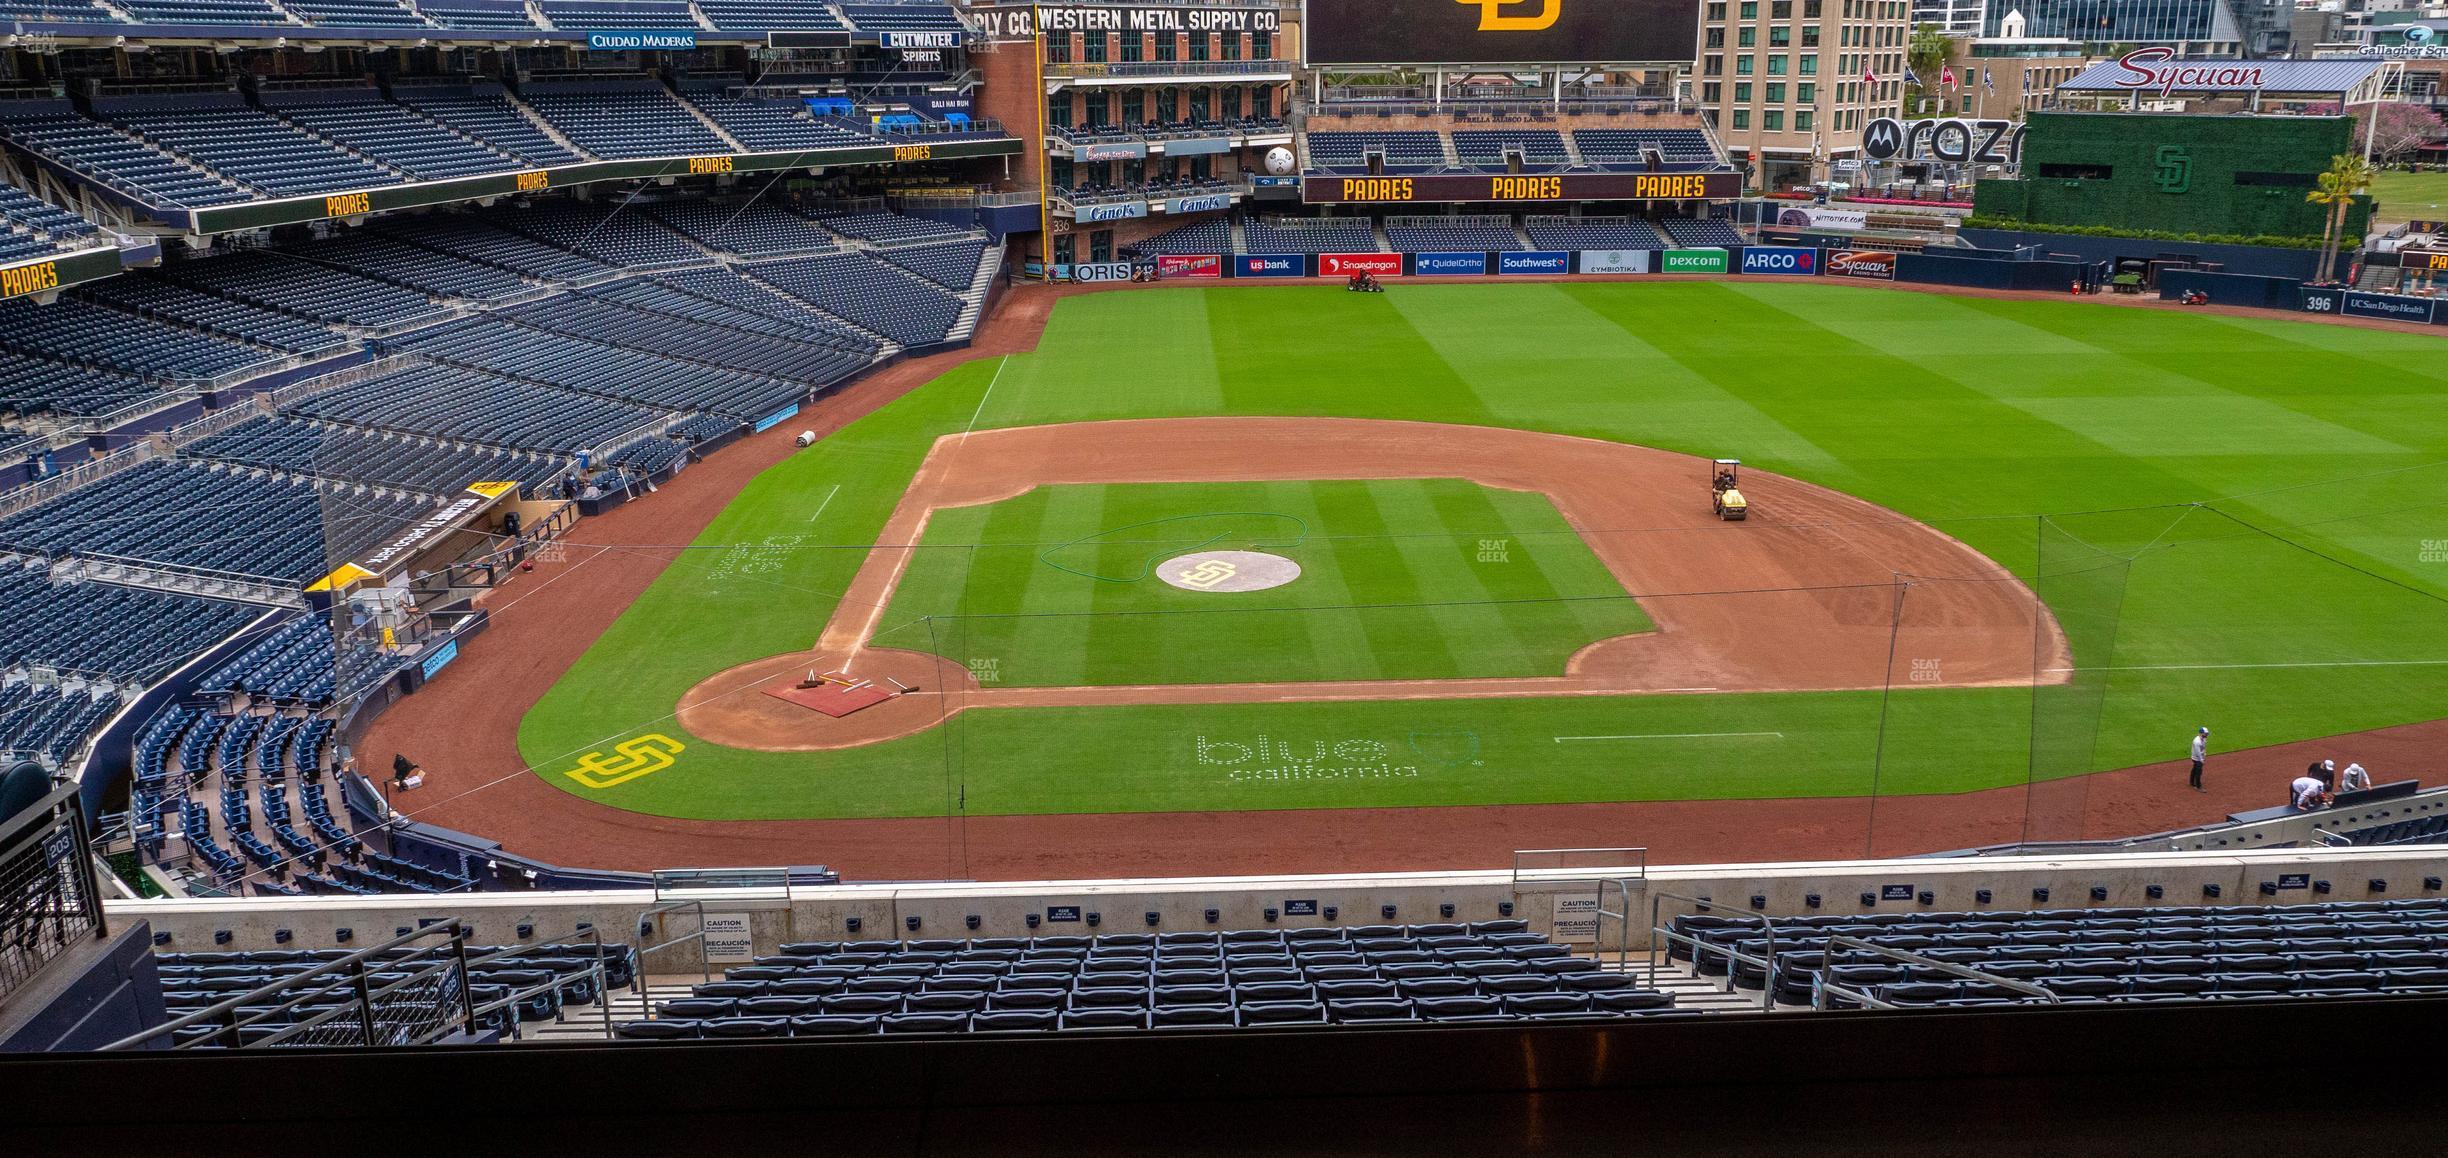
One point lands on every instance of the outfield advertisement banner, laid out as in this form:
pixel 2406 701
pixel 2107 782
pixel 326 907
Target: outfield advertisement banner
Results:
pixel 1271 265
pixel 1372 264
pixel 1448 264
pixel 1876 265
pixel 1190 265
pixel 1101 271
pixel 2357 304
pixel 1817 217
pixel 1615 261
pixel 1110 151
pixel 1692 261
pixel 1784 260
pixel 1118 211
pixel 1534 261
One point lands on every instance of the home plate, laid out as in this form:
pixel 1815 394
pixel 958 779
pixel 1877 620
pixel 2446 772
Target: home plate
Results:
pixel 1226 571
pixel 835 694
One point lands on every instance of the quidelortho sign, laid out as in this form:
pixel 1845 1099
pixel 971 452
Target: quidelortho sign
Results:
pixel 1448 264
pixel 1692 261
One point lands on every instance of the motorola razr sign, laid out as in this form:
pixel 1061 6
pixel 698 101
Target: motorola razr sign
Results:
pixel 1527 32
pixel 1960 141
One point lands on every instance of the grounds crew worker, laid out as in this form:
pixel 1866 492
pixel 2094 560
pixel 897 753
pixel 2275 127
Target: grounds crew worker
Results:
pixel 2201 748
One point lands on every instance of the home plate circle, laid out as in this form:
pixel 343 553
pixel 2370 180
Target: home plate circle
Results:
pixel 1227 571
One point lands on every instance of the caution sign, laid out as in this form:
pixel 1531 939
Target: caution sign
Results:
pixel 1576 917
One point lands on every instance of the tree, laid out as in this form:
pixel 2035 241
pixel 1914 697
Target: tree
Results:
pixel 2401 128
pixel 2347 176
pixel 1926 55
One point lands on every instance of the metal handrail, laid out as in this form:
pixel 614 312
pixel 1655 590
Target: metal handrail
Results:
pixel 1767 964
pixel 705 968
pixel 603 991
pixel 224 1011
pixel 1640 861
pixel 1827 951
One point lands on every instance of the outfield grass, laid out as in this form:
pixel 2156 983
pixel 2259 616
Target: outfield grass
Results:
pixel 2275 483
pixel 2407 196
pixel 1400 579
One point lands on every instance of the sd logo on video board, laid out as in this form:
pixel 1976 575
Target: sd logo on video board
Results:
pixel 1496 32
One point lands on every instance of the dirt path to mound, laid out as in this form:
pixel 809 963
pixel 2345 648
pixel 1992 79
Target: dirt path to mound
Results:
pixel 464 729
pixel 1800 597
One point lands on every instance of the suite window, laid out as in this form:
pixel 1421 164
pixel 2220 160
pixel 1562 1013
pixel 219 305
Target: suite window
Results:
pixel 1201 46
pixel 1058 110
pixel 1064 248
pixel 1232 46
pixel 1776 94
pixel 1742 93
pixel 1168 104
pixel 1802 120
pixel 1742 65
pixel 1100 245
pixel 1061 172
pixel 1058 47
pixel 1201 168
pixel 1134 107
pixel 1711 93
pixel 1716 10
pixel 1232 104
pixel 1134 48
pixel 1098 110
pixel 1198 104
pixel 1712 65
pixel 1776 64
pixel 1810 36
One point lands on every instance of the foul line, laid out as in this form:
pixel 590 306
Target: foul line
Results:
pixel 1675 736
pixel 828 501
pixel 2255 666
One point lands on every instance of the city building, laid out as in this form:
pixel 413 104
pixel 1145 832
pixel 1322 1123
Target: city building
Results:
pixel 1789 84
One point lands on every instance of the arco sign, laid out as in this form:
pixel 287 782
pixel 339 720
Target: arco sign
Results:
pixel 1960 141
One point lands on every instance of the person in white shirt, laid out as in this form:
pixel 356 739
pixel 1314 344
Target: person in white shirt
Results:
pixel 2201 748
pixel 2354 779
pixel 2307 793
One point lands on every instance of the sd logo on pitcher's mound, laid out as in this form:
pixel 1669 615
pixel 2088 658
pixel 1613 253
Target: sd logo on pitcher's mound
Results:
pixel 1227 571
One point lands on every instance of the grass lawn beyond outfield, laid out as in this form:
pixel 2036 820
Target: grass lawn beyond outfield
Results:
pixel 2408 196
pixel 2272 559
pixel 1400 579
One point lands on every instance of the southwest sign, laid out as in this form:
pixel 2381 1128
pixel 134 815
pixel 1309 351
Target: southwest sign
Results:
pixel 1444 188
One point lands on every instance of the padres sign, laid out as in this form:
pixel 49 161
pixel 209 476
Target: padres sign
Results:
pixel 1497 32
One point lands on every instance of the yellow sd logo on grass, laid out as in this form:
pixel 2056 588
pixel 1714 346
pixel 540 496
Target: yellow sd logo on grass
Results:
pixel 630 759
pixel 1490 21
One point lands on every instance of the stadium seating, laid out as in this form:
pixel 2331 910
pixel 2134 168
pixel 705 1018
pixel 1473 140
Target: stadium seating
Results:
pixel 2423 830
pixel 282 282
pixel 156 297
pixel 901 17
pixel 360 119
pixel 1540 149
pixel 356 13
pixel 114 159
pixel 473 237
pixel 756 228
pixel 1419 236
pixel 773 126
pixel 83 332
pixel 373 255
pixel 1705 231
pixel 1212 236
pixel 888 228
pixel 40 386
pixel 382 458
pixel 1592 233
pixel 479 15
pixel 187 514
pixel 31 220
pixel 622 117
pixel 219 130
pixel 553 976
pixel 474 407
pixel 101 629
pixel 855 288
pixel 761 15
pixel 296 665
pixel 609 233
pixel 1373 975
pixel 1403 152
pixel 48 723
pixel 952 265
pixel 232 12
pixel 483 112
pixel 1310 235
pixel 593 367
pixel 636 328
pixel 2178 953
pixel 1630 149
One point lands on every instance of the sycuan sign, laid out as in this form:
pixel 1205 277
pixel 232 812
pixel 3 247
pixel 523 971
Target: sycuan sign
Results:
pixel 2157 69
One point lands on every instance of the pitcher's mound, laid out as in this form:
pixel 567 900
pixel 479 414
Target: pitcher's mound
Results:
pixel 1227 571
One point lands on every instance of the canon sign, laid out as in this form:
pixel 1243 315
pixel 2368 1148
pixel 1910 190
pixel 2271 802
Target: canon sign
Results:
pixel 2157 68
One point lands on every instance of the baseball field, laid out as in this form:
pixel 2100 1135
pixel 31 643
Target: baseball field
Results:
pixel 1993 542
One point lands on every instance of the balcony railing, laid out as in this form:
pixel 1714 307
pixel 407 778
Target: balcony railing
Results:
pixel 1158 68
pixel 49 902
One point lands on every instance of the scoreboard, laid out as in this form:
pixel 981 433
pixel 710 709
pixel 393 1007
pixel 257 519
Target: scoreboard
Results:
pixel 1444 188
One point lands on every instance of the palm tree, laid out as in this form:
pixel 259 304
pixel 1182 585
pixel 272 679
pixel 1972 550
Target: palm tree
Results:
pixel 2347 177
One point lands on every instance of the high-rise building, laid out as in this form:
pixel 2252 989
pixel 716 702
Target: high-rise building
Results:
pixel 2193 27
pixel 1789 84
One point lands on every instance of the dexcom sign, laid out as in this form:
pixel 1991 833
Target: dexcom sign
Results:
pixel 1780 259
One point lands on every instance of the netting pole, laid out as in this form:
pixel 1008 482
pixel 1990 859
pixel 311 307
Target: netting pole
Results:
pixel 1878 756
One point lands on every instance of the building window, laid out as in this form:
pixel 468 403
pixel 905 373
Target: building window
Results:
pixel 1201 46
pixel 1714 38
pixel 1168 47
pixel 1742 65
pixel 1776 64
pixel 1802 120
pixel 1232 104
pixel 1198 104
pixel 1742 119
pixel 1202 168
pixel 1809 64
pixel 1810 9
pixel 1064 247
pixel 1806 93
pixel 1232 46
pixel 1746 37
pixel 1100 245
pixel 1742 93
pixel 1750 9
pixel 1711 93
pixel 1134 104
pixel 1780 37
pixel 1772 121
pixel 1058 110
pixel 1262 45
pixel 1168 104
pixel 1097 108
pixel 1716 10
pixel 1094 43
pixel 1058 48
pixel 1776 94
pixel 1712 65
pixel 1810 36
pixel 1134 48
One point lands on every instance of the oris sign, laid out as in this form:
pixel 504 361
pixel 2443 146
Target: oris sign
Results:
pixel 1960 141
pixel 2157 70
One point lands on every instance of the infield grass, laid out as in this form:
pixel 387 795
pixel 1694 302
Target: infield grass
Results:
pixel 1400 579
pixel 2265 549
